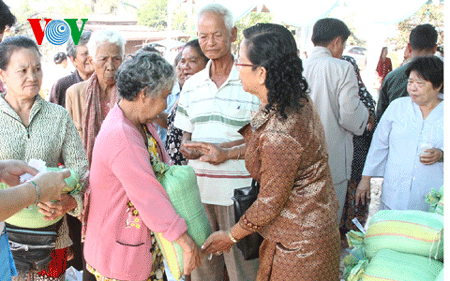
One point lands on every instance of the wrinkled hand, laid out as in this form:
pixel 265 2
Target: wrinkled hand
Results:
pixel 11 170
pixel 363 191
pixel 212 153
pixel 217 243
pixel 53 210
pixel 189 153
pixel 431 156
pixel 191 253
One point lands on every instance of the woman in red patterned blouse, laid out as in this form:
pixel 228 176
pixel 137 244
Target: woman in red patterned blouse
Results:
pixel 384 65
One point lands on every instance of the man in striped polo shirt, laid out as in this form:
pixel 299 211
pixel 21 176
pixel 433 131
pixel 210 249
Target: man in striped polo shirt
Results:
pixel 212 108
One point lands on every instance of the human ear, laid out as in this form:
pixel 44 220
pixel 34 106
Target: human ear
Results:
pixel 262 72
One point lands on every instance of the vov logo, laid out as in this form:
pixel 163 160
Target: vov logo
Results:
pixel 57 32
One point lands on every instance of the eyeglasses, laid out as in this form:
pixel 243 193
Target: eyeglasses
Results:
pixel 240 65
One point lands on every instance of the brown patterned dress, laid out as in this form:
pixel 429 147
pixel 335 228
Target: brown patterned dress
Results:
pixel 296 209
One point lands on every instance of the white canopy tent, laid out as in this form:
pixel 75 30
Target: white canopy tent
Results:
pixel 302 13
pixel 373 19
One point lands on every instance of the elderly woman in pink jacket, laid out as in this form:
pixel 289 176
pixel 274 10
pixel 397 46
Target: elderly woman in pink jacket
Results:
pixel 127 203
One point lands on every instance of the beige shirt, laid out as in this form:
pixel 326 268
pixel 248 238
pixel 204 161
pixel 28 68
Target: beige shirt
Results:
pixel 75 97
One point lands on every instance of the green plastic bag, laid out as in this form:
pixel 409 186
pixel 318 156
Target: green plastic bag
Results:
pixel 436 200
pixel 30 217
pixel 180 183
pixel 394 266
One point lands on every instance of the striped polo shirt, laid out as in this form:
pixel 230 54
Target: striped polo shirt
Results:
pixel 215 115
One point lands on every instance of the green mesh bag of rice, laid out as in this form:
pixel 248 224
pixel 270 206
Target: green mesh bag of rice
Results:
pixel 390 265
pixel 440 276
pixel 180 183
pixel 407 231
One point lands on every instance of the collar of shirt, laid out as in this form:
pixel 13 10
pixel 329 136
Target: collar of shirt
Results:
pixel 261 117
pixel 6 108
pixel 320 51
pixel 232 77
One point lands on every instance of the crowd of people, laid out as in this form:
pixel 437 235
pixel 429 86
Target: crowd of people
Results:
pixel 308 131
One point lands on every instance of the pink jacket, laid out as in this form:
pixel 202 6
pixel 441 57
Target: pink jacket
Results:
pixel 118 242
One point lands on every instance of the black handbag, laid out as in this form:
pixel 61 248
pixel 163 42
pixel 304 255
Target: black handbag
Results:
pixel 243 198
pixel 32 248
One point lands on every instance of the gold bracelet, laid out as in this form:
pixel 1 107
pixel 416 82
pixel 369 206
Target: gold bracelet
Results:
pixel 232 238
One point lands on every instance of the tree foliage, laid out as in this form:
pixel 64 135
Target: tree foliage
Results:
pixel 429 13
pixel 153 13
pixel 248 20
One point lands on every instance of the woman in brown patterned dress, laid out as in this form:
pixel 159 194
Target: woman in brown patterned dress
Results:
pixel 285 151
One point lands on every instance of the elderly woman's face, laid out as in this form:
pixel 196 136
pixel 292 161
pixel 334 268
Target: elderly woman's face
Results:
pixel 23 75
pixel 106 62
pixel 154 106
pixel 421 91
pixel 191 62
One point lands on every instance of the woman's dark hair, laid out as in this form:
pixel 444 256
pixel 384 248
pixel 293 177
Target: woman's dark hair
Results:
pixel 59 57
pixel 147 71
pixel 273 47
pixel 12 44
pixel 194 44
pixel 430 68
pixel 382 50
pixel 6 17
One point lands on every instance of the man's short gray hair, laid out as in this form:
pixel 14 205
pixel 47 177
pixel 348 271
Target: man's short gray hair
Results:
pixel 105 36
pixel 72 48
pixel 218 9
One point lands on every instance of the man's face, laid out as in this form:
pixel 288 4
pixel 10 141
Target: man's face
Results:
pixel 81 62
pixel 214 37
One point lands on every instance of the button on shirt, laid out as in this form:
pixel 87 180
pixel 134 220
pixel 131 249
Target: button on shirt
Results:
pixel 394 154
pixel 215 115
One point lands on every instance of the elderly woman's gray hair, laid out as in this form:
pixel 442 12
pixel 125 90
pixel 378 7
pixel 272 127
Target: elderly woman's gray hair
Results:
pixel 105 36
pixel 215 8
pixel 147 71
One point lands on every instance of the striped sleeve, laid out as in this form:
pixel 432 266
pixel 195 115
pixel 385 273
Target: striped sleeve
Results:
pixel 182 120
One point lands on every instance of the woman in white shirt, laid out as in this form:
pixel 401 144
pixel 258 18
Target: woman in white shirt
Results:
pixel 407 146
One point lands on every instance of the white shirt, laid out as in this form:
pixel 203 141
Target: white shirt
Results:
pixel 334 91
pixel 215 115
pixel 394 154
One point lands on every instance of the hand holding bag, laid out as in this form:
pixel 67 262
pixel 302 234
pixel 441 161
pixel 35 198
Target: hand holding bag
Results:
pixel 243 198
